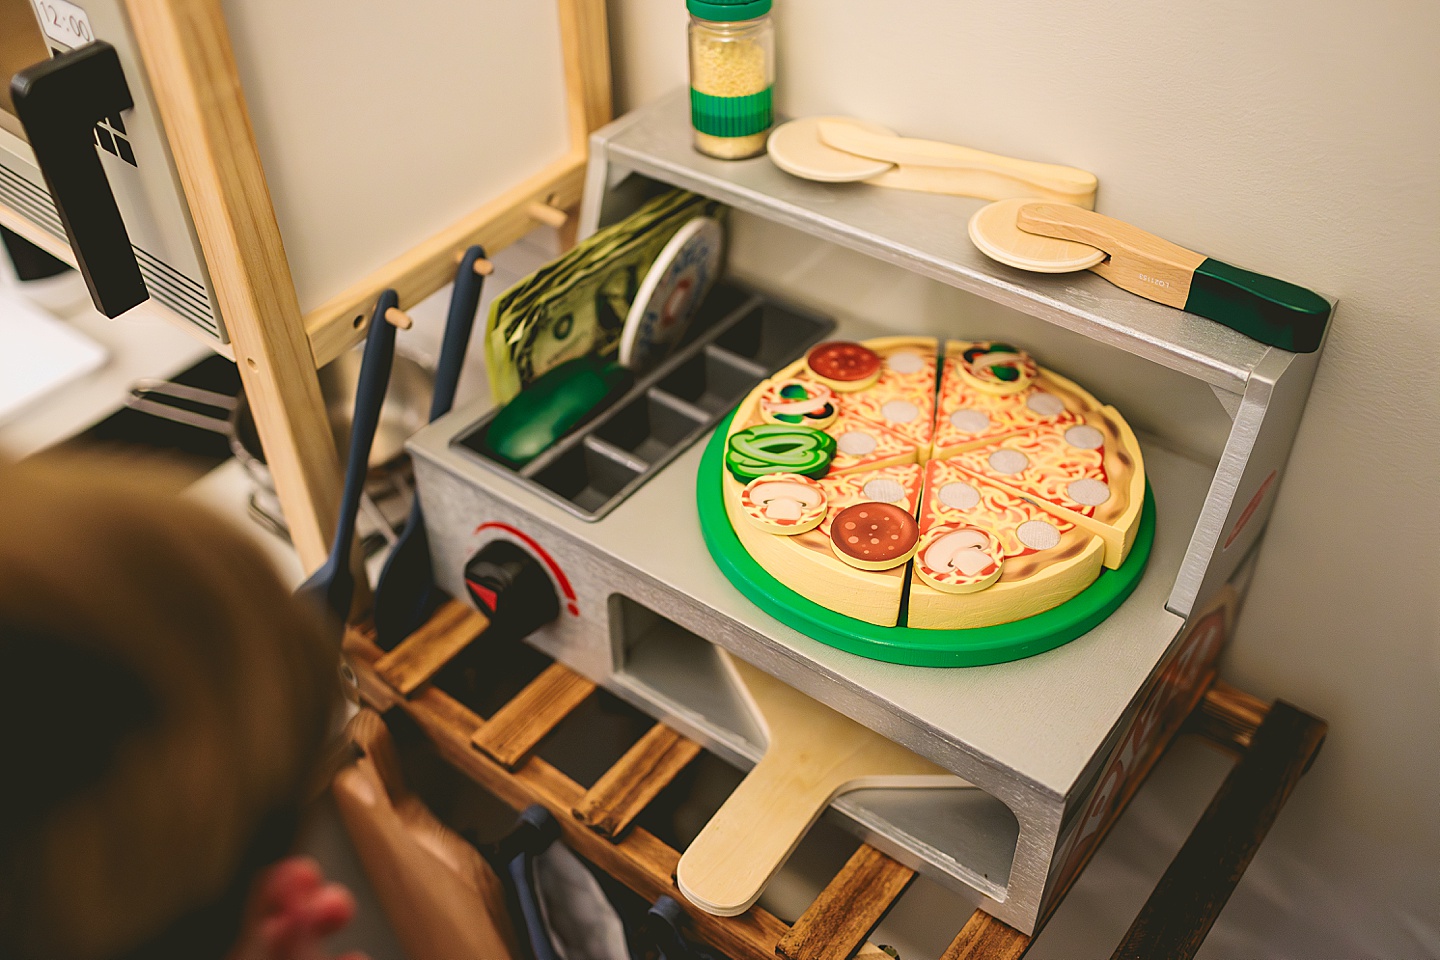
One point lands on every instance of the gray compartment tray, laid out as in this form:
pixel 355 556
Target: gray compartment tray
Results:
pixel 737 339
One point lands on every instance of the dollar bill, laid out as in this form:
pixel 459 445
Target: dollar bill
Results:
pixel 577 304
pixel 514 308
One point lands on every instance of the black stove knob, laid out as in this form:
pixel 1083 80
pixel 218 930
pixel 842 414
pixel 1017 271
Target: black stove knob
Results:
pixel 510 587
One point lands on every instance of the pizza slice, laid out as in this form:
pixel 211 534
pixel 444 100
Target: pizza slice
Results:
pixel 903 398
pixel 864 444
pixel 907 363
pixel 806 563
pixel 968 528
pixel 1090 473
pixel 900 485
pixel 976 407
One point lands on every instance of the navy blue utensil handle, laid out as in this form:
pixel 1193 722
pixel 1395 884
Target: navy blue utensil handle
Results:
pixel 332 585
pixel 58 102
pixel 664 929
pixel 369 398
pixel 406 591
pixel 459 322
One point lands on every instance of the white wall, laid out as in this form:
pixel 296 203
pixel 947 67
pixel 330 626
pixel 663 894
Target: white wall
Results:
pixel 1296 138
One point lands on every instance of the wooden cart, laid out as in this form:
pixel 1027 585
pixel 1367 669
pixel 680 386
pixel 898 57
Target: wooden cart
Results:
pixel 1273 744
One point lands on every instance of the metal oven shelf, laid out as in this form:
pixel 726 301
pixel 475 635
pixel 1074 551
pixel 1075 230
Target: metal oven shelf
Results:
pixel 923 233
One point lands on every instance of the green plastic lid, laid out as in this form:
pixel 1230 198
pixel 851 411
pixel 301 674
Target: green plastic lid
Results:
pixel 728 11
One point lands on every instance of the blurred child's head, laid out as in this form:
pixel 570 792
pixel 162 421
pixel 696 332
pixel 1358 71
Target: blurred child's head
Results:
pixel 164 704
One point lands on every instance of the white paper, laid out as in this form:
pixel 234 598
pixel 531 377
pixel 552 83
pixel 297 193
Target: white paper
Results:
pixel 38 354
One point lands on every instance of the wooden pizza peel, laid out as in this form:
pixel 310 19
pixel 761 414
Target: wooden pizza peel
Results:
pixel 814 754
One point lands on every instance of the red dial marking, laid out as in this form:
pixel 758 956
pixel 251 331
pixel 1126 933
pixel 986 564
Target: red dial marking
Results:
pixel 571 603
pixel 485 595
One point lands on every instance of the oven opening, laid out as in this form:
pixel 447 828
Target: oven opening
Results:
pixel 962 838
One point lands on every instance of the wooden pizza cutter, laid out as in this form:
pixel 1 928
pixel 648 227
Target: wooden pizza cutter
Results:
pixel 814 755
pixel 1058 238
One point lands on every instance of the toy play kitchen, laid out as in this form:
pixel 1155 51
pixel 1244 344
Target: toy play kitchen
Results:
pixel 977 700
pixel 1029 755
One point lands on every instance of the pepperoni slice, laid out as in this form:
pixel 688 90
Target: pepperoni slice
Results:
pixel 844 362
pixel 874 536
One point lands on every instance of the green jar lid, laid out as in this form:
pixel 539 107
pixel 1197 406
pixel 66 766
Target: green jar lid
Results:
pixel 728 11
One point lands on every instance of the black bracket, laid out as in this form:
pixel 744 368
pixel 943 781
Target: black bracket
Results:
pixel 59 102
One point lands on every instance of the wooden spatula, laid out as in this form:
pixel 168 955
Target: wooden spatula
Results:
pixel 936 167
pixel 1059 238
pixel 814 755
pixel 842 149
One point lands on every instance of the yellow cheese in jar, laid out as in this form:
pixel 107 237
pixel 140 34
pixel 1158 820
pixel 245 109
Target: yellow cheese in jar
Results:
pixel 731 73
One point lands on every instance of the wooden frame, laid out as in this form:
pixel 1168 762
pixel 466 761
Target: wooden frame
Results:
pixel 186 49
pixel 1274 744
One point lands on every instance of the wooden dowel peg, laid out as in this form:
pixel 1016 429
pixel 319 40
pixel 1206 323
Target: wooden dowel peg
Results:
pixel 483 267
pixel 398 319
pixel 548 215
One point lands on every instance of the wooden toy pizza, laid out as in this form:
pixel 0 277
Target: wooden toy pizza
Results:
pixel 924 503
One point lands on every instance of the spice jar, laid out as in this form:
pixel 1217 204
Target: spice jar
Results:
pixel 732 68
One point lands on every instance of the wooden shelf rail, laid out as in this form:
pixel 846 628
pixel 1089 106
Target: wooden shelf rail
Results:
pixel 1275 745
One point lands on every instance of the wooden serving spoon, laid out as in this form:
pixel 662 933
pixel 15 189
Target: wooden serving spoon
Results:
pixel 1059 238
pixel 814 755
pixel 841 149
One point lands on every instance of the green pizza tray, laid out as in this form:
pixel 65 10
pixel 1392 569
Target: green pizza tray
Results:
pixel 913 646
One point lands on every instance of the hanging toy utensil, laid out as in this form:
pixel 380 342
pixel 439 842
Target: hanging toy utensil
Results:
pixel 333 585
pixel 405 593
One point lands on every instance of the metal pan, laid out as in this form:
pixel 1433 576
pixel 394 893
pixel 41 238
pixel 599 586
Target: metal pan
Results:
pixel 406 411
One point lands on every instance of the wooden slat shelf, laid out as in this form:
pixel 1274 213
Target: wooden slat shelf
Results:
pixel 428 649
pixel 1275 745
pixel 627 788
pixel 520 725
pixel 983 938
pixel 1228 718
pixel 850 906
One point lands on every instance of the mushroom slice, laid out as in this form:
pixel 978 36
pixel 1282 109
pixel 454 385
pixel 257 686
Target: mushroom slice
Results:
pixel 784 503
pixel 959 558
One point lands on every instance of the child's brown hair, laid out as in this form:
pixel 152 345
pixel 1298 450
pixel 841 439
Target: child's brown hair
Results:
pixel 165 702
